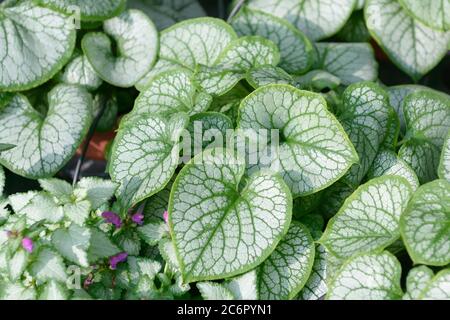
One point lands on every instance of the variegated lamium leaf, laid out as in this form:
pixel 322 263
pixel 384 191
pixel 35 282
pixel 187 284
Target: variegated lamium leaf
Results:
pixel 364 114
pixel 444 165
pixel 295 48
pixel 350 62
pixel 388 163
pixel 417 280
pixel 165 13
pixel 172 92
pixel 369 218
pixel 89 10
pixel 427 116
pixel 220 228
pixel 35 43
pixel 368 277
pixel 196 41
pixel 238 57
pixel 137 47
pixel 314 151
pixel 80 72
pixel 145 155
pixel 318 19
pixel 433 13
pixel 284 273
pixel 425 226
pixel 437 288
pixel 44 143
pixel 412 46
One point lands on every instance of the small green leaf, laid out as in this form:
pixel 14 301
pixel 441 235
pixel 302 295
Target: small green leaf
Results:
pixel 6 146
pixel 437 289
pixel 129 241
pixel 433 13
pixel 100 246
pixel 36 207
pixel 412 46
pixel 48 266
pixel 53 291
pixel 388 163
pixel 158 203
pixel 287 269
pixel 90 10
pixel 368 277
pixel 172 92
pixel 314 150
pixel 60 189
pixel 444 165
pixel 364 114
pixel 145 155
pixel 295 48
pixel 425 225
pixel 45 143
pixel 153 231
pixel 318 19
pixel 98 191
pixel 350 62
pixel 427 116
pixel 137 47
pixel 196 41
pixel 28 31
pixel 220 230
pixel 80 72
pixel 369 218
pixel 73 243
pixel 214 291
pixel 417 280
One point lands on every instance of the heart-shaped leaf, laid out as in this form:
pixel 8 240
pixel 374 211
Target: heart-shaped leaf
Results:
pixel 350 62
pixel 196 41
pixel 295 48
pixel 364 114
pixel 160 66
pixel 314 150
pixel 233 63
pixel 44 143
pixel 80 72
pixel 218 228
pixel 144 156
pixel 172 92
pixel 437 289
pixel 427 116
pixel 444 165
pixel 89 10
pixel 137 48
pixel 416 282
pixel 368 277
pixel 284 273
pixel 388 163
pixel 318 19
pixel 264 75
pixel 412 46
pixel 369 218
pixel 433 13
pixel 425 224
pixel 166 13
pixel 35 43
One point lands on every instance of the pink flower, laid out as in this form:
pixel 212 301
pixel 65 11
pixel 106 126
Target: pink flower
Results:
pixel 166 216
pixel 112 218
pixel 138 218
pixel 88 281
pixel 118 258
pixel 27 244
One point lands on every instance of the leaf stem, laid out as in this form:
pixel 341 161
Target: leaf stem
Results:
pixel 90 134
pixel 235 10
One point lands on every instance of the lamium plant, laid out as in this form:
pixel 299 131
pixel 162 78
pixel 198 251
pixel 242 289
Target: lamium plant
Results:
pixel 259 157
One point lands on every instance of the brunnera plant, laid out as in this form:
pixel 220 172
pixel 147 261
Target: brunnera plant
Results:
pixel 254 158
